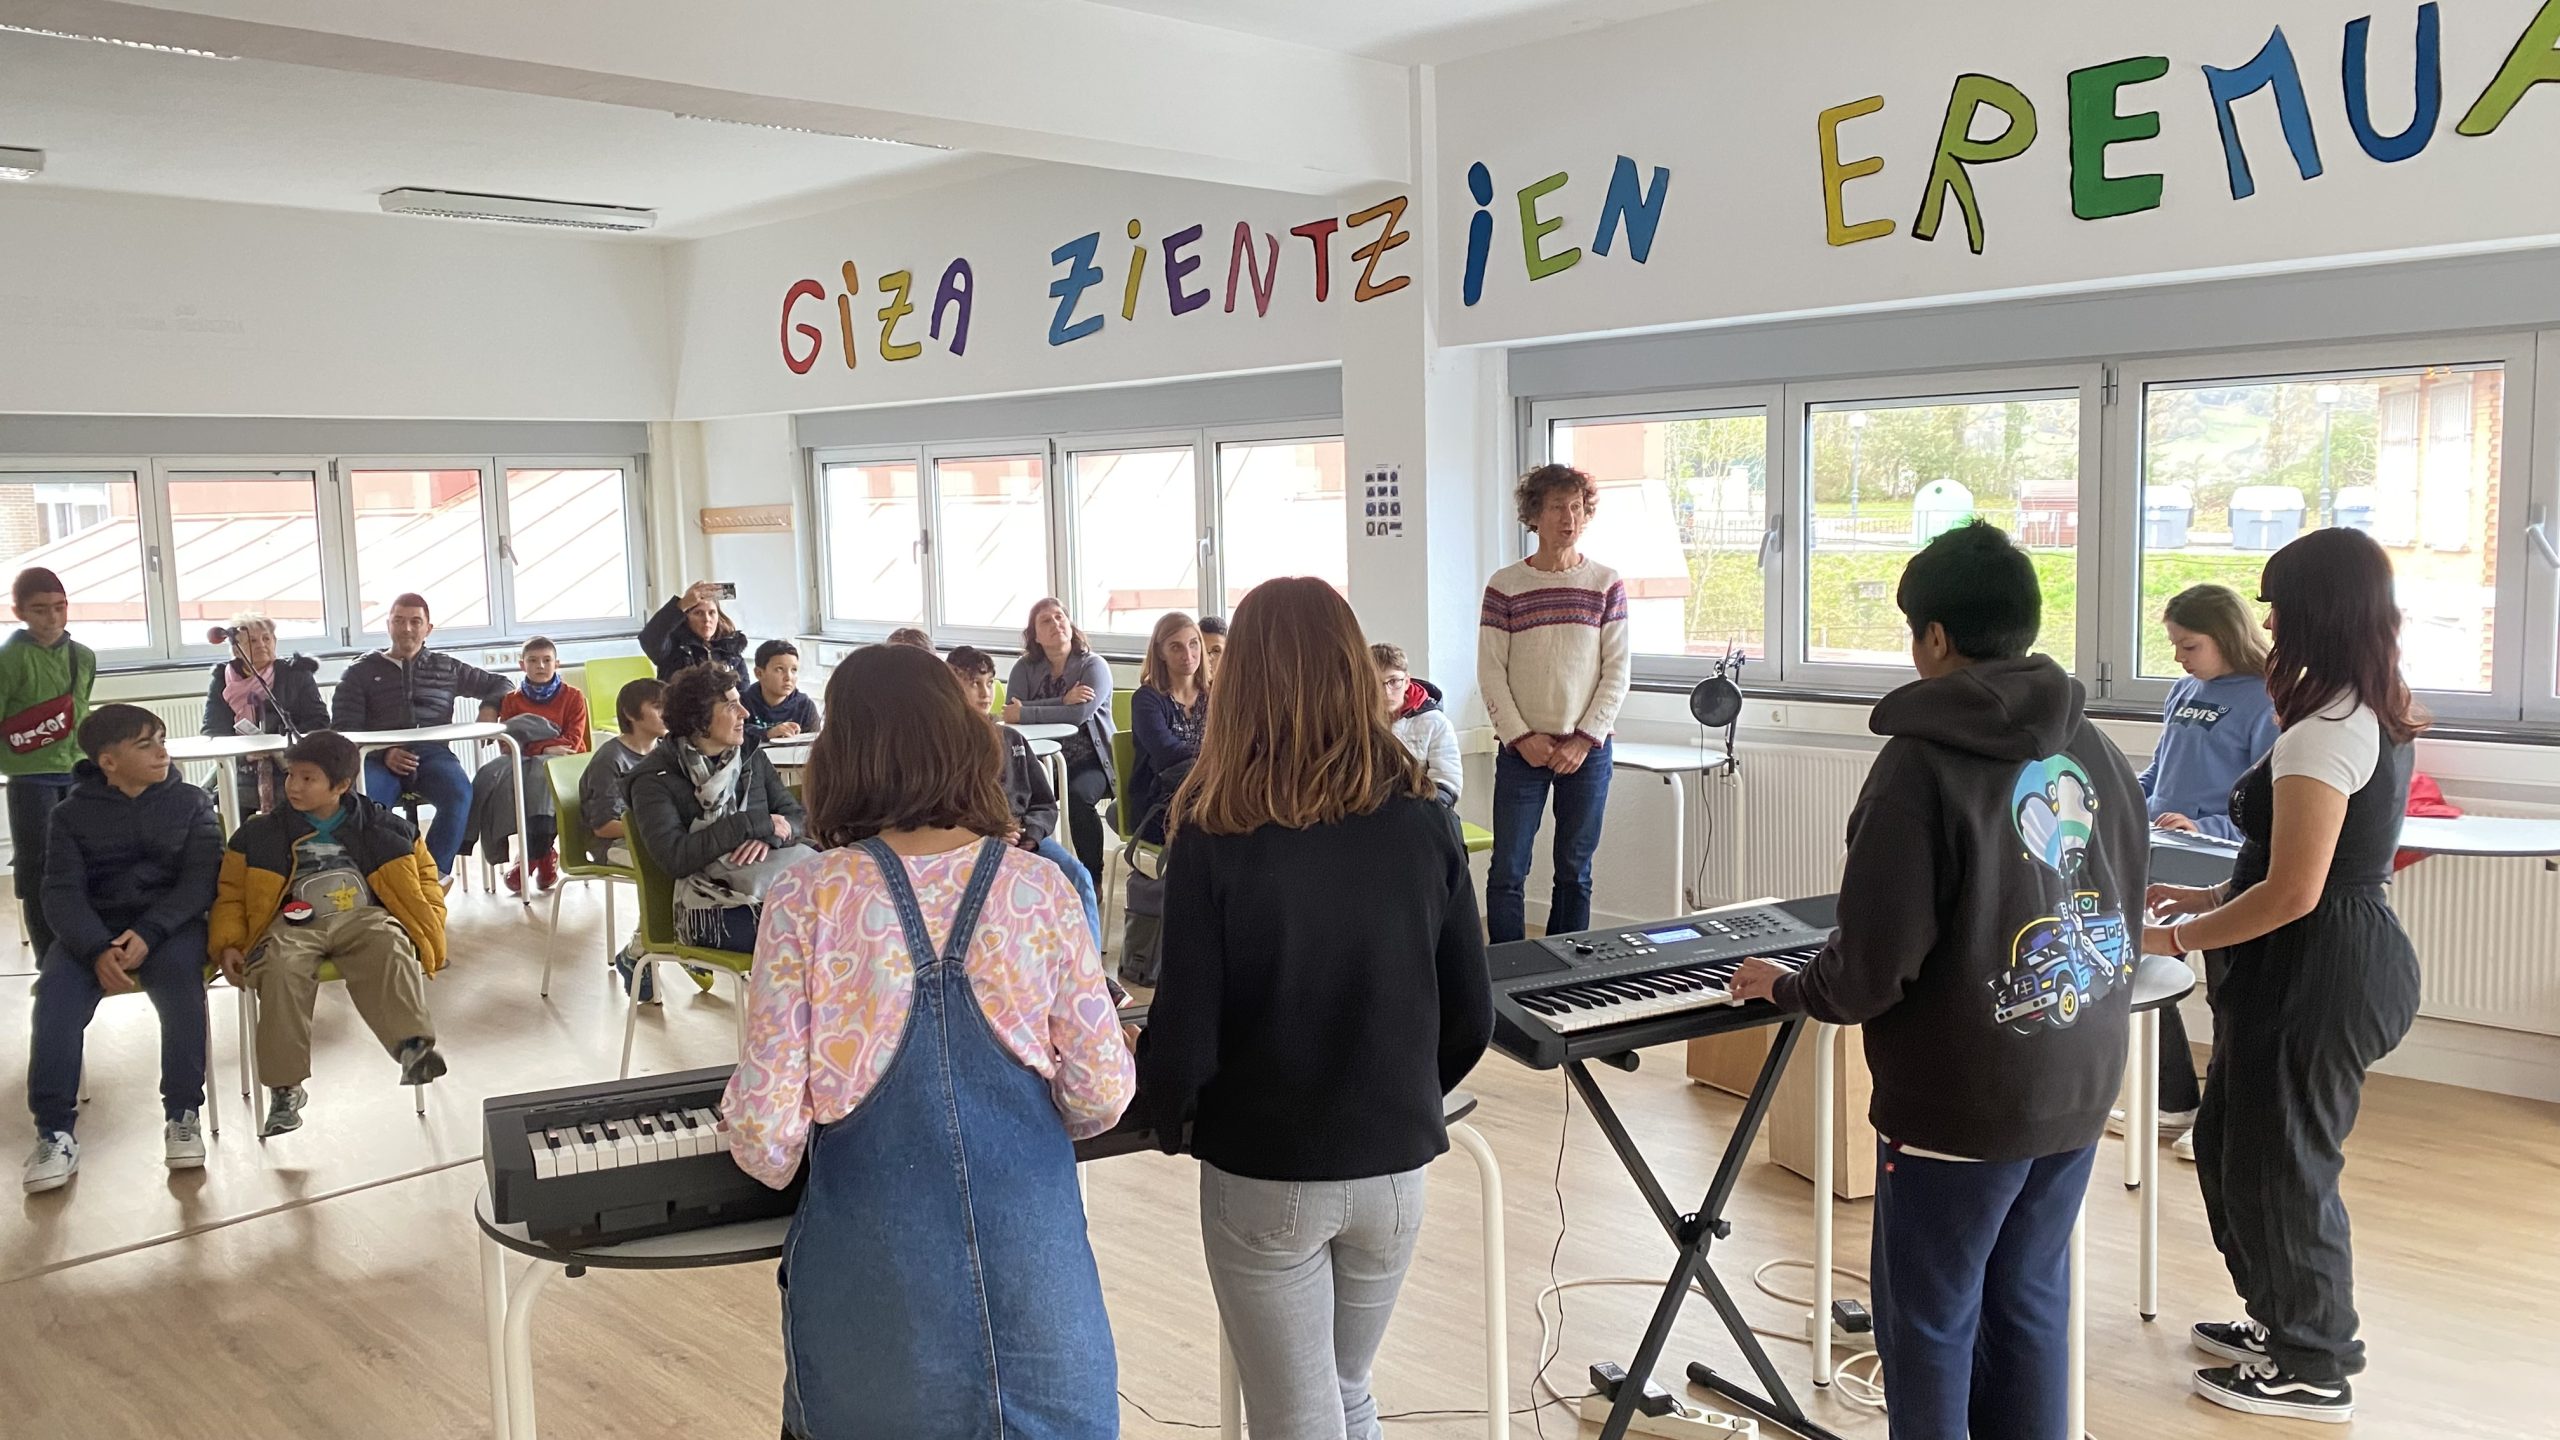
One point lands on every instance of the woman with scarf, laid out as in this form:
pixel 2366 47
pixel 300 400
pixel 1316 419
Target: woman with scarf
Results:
pixel 691 629
pixel 713 814
pixel 253 693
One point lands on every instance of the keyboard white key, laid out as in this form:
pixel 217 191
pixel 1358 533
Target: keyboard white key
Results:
pixel 1620 1012
pixel 546 1161
pixel 596 1149
pixel 626 1142
pixel 564 1146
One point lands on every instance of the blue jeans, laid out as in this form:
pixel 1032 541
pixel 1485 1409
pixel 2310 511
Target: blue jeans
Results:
pixel 67 994
pixel 1972 1283
pixel 1519 803
pixel 441 783
pixel 1056 854
pixel 936 1282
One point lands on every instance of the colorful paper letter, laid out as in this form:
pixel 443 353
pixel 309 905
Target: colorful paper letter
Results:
pixel 895 285
pixel 1835 176
pixel 2429 106
pixel 960 288
pixel 1957 149
pixel 1137 272
pixel 802 289
pixel 2272 65
pixel 1389 237
pixel 1319 234
pixel 2095 125
pixel 1178 266
pixel 1240 261
pixel 1533 229
pixel 1641 210
pixel 1479 234
pixel 1082 274
pixel 844 314
pixel 2534 61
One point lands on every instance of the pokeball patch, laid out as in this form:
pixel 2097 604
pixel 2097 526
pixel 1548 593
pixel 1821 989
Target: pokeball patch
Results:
pixel 297 912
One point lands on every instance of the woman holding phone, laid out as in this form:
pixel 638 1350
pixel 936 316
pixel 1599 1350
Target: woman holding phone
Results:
pixel 693 629
pixel 2320 983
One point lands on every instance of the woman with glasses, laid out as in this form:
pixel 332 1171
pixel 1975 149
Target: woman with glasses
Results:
pixel 715 817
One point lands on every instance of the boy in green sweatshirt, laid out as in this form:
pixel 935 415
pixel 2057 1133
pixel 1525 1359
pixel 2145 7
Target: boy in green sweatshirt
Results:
pixel 45 677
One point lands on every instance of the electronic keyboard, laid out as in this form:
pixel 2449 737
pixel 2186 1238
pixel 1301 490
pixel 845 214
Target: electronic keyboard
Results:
pixel 1600 993
pixel 620 1160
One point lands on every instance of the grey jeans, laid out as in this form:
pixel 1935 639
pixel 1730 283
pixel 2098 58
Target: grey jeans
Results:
pixel 1306 1274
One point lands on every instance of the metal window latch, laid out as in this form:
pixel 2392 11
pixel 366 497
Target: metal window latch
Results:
pixel 1770 539
pixel 2537 534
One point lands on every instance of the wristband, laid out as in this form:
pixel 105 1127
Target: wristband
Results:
pixel 2178 939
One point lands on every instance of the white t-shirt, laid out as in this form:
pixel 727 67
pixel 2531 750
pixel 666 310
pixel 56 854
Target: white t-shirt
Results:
pixel 2337 747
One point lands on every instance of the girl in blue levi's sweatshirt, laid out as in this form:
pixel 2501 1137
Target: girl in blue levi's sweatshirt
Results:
pixel 2219 719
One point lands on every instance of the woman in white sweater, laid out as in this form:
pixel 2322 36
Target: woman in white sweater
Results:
pixel 1413 708
pixel 1551 653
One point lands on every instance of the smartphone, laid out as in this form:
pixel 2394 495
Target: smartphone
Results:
pixel 728 588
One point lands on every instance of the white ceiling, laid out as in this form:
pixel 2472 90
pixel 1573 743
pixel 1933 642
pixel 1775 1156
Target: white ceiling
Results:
pixel 260 133
pixel 1408 32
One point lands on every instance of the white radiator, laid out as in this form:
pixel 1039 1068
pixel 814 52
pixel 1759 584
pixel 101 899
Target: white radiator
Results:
pixel 2488 935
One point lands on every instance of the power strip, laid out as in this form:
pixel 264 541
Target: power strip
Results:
pixel 1843 1342
pixel 1709 1425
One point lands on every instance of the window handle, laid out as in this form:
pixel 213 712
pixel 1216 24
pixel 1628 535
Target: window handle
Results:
pixel 2538 534
pixel 1770 539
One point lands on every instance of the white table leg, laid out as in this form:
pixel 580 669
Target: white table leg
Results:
pixel 519 1347
pixel 1230 1391
pixel 1679 843
pixel 493 1311
pixel 1826 1046
pixel 2133 1109
pixel 226 789
pixel 2147 1035
pixel 2079 1327
pixel 524 832
pixel 1497 1304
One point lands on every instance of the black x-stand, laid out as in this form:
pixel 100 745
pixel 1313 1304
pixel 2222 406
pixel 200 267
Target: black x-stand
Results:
pixel 1695 1234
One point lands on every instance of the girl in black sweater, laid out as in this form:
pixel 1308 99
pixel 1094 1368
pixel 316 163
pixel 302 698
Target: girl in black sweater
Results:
pixel 1324 986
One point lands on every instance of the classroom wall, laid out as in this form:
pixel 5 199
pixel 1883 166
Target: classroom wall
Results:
pixel 133 305
pixel 1723 107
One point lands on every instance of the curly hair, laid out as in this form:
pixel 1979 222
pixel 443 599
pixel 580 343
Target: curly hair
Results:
pixel 1530 495
pixel 693 693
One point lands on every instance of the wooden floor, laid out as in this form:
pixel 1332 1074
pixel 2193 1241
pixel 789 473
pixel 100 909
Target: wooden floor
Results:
pixel 325 1285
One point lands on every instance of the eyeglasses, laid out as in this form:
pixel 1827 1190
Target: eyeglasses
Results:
pixel 1395 683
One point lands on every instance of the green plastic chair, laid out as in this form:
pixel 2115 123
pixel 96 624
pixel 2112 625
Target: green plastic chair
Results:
pixel 998 709
pixel 1124 758
pixel 254 1084
pixel 1478 838
pixel 1122 696
pixel 658 938
pixel 603 681
pixel 565 773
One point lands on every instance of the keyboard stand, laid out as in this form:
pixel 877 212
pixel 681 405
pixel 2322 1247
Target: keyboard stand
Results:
pixel 1695 1234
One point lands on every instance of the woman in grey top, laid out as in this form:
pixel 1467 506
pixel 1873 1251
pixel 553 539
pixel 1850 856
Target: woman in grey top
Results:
pixel 1060 681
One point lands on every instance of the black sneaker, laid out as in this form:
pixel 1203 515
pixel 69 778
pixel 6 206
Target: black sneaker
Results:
pixel 419 1062
pixel 284 1110
pixel 2240 1340
pixel 2261 1387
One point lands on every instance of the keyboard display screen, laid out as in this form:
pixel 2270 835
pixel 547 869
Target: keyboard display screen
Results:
pixel 1674 934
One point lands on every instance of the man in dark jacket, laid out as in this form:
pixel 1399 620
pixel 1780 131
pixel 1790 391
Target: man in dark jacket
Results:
pixel 406 686
pixel 130 865
pixel 1989 928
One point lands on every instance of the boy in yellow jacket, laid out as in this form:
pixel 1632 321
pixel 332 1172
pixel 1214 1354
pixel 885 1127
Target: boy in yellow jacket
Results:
pixel 329 878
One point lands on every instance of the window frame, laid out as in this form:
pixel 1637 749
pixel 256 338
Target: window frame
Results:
pixel 1719 402
pixel 352 632
pixel 2540 679
pixel 929 494
pixel 337 554
pixel 635 546
pixel 157 606
pixel 2513 658
pixel 1066 525
pixel 865 629
pixel 1213 496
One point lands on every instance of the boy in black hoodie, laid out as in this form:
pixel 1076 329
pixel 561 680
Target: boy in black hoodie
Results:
pixel 1989 927
pixel 129 871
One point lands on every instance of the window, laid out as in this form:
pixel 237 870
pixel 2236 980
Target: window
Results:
pixel 1682 517
pixel 1138 540
pixel 243 541
pixel 874 543
pixel 85 528
pixel 991 539
pixel 1883 479
pixel 1281 512
pixel 2231 470
pixel 568 543
pixel 420 532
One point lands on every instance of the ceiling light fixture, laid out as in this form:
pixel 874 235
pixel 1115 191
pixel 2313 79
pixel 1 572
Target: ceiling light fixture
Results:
pixel 152 46
pixel 20 164
pixel 516 210
pixel 805 130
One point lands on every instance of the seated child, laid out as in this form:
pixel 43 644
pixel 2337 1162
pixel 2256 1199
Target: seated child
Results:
pixel 1413 708
pixel 129 865
pixel 544 693
pixel 604 797
pixel 330 876
pixel 1026 785
pixel 777 709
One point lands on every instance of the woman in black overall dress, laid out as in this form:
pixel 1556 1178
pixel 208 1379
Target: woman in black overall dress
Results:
pixel 2322 981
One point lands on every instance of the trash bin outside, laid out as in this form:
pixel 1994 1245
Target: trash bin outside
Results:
pixel 2356 506
pixel 1941 506
pixel 2265 517
pixel 2167 511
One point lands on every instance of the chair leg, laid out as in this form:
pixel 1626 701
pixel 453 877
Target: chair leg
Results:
pixel 212 1090
pixel 248 1031
pixel 553 948
pixel 420 1091
pixel 738 1014
pixel 612 947
pixel 643 974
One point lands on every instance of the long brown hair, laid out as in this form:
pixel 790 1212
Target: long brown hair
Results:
pixel 1076 643
pixel 2217 613
pixel 903 749
pixel 1153 673
pixel 2337 629
pixel 1295 736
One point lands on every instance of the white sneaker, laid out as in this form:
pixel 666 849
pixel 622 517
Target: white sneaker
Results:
pixel 51 1164
pixel 2185 1149
pixel 2174 1124
pixel 183 1142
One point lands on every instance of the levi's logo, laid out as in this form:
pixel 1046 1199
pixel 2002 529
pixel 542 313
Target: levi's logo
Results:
pixel 2199 715
pixel 38 726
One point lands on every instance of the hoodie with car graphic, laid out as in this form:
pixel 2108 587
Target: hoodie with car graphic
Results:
pixel 1990 915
